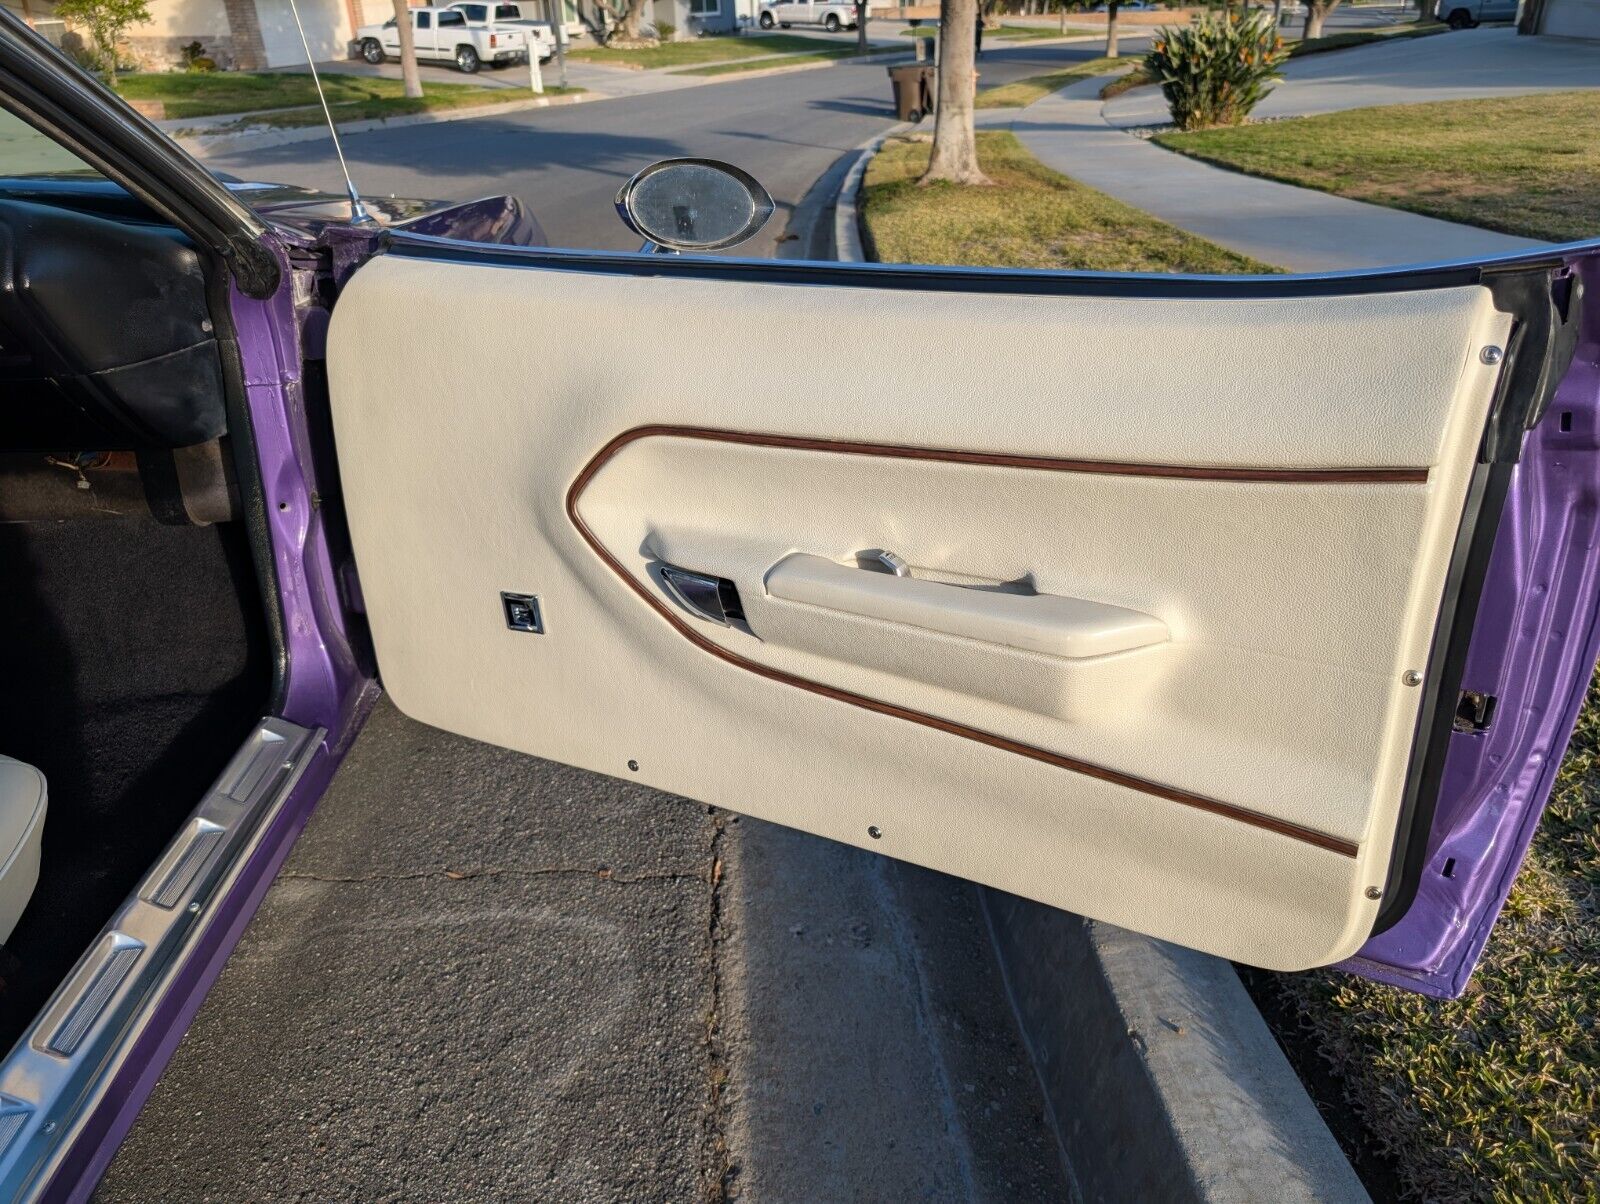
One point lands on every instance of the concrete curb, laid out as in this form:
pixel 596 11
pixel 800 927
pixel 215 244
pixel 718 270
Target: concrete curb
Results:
pixel 882 56
pixel 1163 1080
pixel 222 144
pixel 847 244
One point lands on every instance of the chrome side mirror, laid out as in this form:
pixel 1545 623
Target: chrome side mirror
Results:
pixel 693 205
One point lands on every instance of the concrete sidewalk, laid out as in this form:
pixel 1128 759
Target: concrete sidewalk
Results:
pixel 1294 228
pixel 1467 65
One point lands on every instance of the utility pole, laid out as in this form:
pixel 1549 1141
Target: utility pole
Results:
pixel 558 27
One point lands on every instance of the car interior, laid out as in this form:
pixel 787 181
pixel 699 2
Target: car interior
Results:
pixel 140 655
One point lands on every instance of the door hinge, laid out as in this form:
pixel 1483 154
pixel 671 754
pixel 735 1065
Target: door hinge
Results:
pixel 1547 305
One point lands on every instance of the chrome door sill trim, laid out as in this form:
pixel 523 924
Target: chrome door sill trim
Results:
pixel 61 1065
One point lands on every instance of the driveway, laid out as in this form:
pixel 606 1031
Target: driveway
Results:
pixel 1472 64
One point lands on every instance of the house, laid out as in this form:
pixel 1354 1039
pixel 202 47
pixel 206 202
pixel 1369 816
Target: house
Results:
pixel 253 34
pixel 247 34
pixel 690 18
pixel 1562 18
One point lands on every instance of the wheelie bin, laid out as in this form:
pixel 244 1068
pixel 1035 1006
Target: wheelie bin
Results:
pixel 913 90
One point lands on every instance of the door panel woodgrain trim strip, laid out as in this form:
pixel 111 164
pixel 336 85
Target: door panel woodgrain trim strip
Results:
pixel 1185 798
pixel 895 451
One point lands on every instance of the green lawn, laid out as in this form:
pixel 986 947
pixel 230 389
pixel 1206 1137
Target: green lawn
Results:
pixel 1022 92
pixel 788 60
pixel 1525 165
pixel 700 51
pixel 351 97
pixel 1033 218
pixel 1495 1096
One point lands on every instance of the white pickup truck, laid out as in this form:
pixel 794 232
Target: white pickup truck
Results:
pixel 443 34
pixel 832 15
pixel 508 12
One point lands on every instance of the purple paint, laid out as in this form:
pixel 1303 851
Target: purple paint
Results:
pixel 324 686
pixel 1533 647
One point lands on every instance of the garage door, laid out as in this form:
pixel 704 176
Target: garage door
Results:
pixel 327 30
pixel 1572 18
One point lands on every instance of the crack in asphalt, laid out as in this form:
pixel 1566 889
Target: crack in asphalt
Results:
pixel 718 1170
pixel 600 873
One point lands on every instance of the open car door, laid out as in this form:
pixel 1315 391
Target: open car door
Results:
pixel 1149 598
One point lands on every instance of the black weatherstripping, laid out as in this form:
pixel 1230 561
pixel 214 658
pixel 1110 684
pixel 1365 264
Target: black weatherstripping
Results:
pixel 1012 281
pixel 1545 308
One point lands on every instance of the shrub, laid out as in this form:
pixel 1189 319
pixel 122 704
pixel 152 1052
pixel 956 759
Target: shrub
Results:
pixel 1216 70
pixel 105 21
pixel 195 59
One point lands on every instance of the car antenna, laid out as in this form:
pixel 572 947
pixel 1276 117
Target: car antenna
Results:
pixel 358 211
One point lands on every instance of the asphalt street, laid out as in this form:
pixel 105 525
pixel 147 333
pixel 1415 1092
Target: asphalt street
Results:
pixel 482 976
pixel 567 162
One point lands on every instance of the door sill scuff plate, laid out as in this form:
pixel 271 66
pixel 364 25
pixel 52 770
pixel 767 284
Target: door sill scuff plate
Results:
pixel 53 1076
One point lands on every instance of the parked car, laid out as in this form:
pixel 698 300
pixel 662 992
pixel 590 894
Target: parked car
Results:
pixel 832 15
pixel 444 35
pixel 1269 656
pixel 1466 14
pixel 502 14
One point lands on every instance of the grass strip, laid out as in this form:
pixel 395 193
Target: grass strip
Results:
pixel 699 51
pixel 1363 37
pixel 214 93
pixel 386 107
pixel 1524 165
pixel 1012 33
pixel 788 60
pixel 1496 1095
pixel 1032 218
pixel 1023 92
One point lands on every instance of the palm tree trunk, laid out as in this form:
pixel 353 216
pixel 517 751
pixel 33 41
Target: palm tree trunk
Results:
pixel 408 49
pixel 955 147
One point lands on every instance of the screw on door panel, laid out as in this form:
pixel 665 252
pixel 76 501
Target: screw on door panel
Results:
pixel 1411 677
pixel 1491 355
pixel 875 832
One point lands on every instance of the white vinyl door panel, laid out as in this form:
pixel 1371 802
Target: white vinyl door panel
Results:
pixel 1199 569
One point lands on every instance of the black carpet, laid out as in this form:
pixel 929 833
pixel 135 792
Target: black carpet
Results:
pixel 133 660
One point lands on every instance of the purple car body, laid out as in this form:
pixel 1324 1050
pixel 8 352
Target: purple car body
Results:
pixel 1533 644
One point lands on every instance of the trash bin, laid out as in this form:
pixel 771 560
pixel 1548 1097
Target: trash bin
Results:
pixel 913 91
